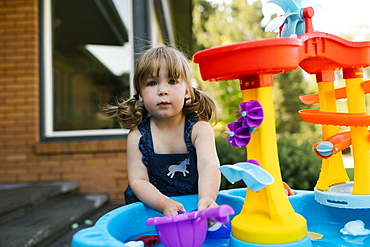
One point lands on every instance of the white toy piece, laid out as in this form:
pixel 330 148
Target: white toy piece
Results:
pixel 355 228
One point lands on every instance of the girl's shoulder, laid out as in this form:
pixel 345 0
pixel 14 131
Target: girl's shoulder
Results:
pixel 202 134
pixel 202 126
pixel 134 133
pixel 133 139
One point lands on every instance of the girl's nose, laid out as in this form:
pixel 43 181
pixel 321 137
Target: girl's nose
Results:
pixel 162 91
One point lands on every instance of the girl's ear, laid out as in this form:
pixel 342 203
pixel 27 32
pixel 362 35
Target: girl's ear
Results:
pixel 187 93
pixel 140 98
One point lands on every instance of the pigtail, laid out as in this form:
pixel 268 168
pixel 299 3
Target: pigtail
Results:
pixel 129 113
pixel 202 106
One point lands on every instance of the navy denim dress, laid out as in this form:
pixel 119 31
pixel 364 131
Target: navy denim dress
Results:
pixel 172 174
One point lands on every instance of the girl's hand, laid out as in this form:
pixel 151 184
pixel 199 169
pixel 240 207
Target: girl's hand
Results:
pixel 171 207
pixel 206 202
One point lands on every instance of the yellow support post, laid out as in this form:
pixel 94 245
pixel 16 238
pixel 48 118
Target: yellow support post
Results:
pixel 332 169
pixel 360 134
pixel 267 216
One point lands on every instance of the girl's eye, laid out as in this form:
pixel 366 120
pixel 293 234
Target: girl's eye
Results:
pixel 151 83
pixel 173 81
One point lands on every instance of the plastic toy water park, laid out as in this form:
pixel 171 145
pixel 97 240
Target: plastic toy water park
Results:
pixel 267 212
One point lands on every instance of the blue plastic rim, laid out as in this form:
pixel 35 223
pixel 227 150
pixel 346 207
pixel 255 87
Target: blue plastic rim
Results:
pixel 340 196
pixel 305 242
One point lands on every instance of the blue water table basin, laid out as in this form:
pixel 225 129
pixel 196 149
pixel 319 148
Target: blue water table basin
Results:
pixel 126 223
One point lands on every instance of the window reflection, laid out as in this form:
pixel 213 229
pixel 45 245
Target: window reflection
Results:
pixel 91 61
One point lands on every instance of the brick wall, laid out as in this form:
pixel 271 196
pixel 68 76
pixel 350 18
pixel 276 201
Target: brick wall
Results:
pixel 98 165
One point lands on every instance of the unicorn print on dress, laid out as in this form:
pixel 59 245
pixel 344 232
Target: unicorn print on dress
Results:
pixel 179 168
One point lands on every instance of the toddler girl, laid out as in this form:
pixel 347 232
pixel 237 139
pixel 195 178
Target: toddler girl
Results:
pixel 170 147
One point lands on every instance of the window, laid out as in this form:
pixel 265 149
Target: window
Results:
pixel 86 62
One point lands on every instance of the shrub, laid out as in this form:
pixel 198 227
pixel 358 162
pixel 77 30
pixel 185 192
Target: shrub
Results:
pixel 300 166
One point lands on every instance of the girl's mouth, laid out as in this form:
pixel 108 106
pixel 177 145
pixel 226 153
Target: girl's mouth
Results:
pixel 163 103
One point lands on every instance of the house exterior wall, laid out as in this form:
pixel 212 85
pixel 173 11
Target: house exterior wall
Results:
pixel 99 165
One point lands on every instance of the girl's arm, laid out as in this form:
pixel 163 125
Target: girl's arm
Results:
pixel 139 180
pixel 208 164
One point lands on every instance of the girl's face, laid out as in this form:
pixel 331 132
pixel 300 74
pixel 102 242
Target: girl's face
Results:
pixel 163 96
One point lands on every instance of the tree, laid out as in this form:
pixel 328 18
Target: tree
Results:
pixel 287 89
pixel 224 24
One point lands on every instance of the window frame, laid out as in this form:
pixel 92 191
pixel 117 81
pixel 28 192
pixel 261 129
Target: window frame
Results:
pixel 47 132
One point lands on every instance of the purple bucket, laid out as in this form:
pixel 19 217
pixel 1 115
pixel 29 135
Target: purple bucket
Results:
pixel 188 229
